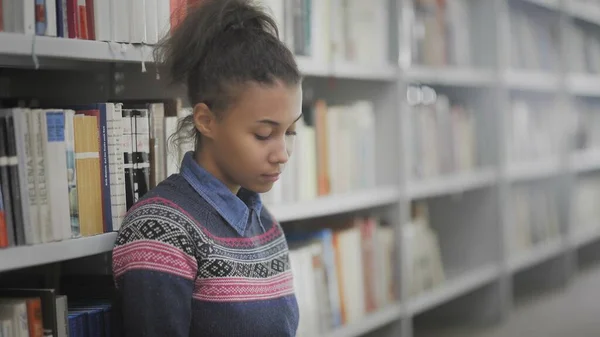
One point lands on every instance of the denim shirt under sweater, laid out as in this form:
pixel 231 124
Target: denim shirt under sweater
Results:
pixel 192 259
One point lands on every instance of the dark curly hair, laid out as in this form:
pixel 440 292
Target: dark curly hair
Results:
pixel 218 48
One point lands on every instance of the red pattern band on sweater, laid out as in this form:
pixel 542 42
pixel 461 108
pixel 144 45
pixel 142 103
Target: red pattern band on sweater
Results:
pixel 153 255
pixel 244 289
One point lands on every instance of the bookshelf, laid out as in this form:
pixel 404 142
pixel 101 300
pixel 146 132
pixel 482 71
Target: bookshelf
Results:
pixel 40 254
pixel 469 198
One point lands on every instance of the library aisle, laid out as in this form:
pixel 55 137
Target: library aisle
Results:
pixel 451 147
pixel 557 313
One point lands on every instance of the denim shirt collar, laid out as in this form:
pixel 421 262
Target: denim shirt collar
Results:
pixel 235 209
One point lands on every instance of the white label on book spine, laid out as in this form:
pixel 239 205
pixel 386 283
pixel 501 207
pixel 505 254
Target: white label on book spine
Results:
pixel 87 155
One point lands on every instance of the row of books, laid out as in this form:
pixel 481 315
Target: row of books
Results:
pixel 587 126
pixel 534 130
pixel 334 153
pixel 534 39
pixel 44 312
pixel 440 34
pixel 443 136
pixel 339 30
pixel 127 21
pixel 75 170
pixel 342 274
pixel 424 269
pixel 594 3
pixel 535 216
pixel 584 201
pixel 584 50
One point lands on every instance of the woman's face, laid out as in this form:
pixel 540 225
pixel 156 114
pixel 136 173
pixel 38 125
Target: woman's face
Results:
pixel 253 140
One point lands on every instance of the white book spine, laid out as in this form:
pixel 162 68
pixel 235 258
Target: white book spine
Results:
pixel 25 14
pixel 172 153
pixel 151 21
pixel 137 21
pixel 71 173
pixel 116 163
pixel 157 114
pixel 35 234
pixel 320 21
pixel 65 19
pixel 163 18
pixel 120 19
pixel 8 16
pixel 102 23
pixel 46 219
pixel 56 171
pixel 7 328
pixel 51 25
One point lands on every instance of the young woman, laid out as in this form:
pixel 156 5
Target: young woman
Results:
pixel 199 255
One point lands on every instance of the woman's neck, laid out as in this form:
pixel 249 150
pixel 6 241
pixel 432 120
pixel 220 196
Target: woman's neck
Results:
pixel 206 160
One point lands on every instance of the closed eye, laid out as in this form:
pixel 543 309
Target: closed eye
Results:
pixel 262 138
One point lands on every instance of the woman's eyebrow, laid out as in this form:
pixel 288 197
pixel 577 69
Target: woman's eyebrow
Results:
pixel 275 123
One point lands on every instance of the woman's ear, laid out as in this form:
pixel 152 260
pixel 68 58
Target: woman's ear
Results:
pixel 204 120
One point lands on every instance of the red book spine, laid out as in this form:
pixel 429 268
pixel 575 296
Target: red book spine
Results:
pixel 91 24
pixel 3 231
pixel 72 19
pixel 178 12
pixel 34 317
pixel 82 18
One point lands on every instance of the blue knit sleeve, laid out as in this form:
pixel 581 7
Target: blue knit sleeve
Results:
pixel 154 267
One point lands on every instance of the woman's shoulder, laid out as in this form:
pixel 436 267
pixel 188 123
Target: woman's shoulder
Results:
pixel 159 216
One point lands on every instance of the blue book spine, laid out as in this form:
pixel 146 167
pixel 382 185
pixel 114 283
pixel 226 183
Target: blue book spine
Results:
pixel 326 238
pixel 106 202
pixel 73 326
pixel 40 17
pixel 60 27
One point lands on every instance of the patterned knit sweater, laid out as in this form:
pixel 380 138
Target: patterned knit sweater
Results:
pixel 193 259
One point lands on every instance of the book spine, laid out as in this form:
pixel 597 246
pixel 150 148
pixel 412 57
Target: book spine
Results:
pixel 61 18
pixel 1 16
pixel 72 19
pixel 7 236
pixel 3 231
pixel 90 18
pixel 158 130
pixel 142 153
pixel 71 173
pixel 151 7
pixel 104 169
pixel 82 20
pixel 102 20
pixel 137 21
pixel 128 164
pixel 45 217
pixel 34 318
pixel 117 175
pixel 40 17
pixel 163 18
pixel 7 16
pixel 56 161
pixel 15 189
pixel 27 174
pixel 27 190
pixel 51 19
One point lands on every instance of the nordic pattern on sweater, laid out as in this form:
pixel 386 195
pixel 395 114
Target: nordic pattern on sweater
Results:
pixel 184 267
pixel 224 269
